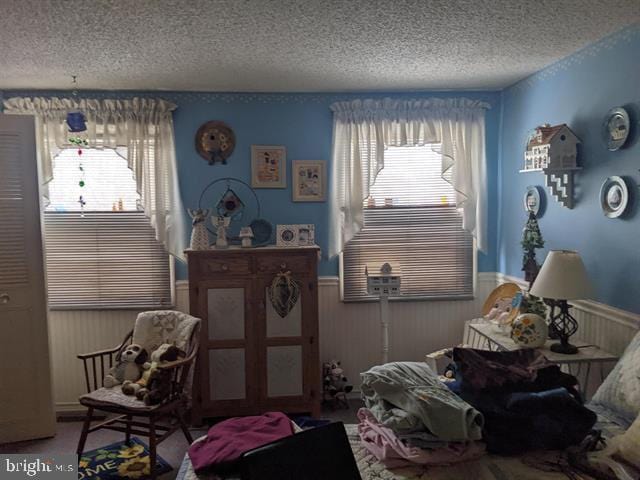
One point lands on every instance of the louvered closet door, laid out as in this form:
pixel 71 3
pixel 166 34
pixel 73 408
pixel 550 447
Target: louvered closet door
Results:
pixel 26 409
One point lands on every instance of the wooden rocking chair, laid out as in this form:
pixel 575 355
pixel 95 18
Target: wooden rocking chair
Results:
pixel 157 422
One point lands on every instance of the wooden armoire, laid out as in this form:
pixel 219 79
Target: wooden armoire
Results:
pixel 252 360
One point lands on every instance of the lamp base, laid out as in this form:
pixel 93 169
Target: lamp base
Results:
pixel 567 348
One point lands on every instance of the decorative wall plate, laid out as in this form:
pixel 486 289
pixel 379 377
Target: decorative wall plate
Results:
pixel 215 142
pixel 503 304
pixel 614 197
pixel 534 200
pixel 615 128
pixel 261 232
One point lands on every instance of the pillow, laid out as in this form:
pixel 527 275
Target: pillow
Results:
pixel 620 391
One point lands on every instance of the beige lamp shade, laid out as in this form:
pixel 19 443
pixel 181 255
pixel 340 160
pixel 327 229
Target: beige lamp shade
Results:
pixel 562 277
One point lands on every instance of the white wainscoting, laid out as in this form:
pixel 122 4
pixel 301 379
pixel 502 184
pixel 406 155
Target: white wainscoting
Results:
pixel 349 332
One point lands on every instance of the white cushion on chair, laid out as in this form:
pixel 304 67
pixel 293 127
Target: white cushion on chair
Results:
pixel 113 397
pixel 620 392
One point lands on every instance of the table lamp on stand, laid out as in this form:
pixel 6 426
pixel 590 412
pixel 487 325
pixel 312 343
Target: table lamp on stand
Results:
pixel 562 278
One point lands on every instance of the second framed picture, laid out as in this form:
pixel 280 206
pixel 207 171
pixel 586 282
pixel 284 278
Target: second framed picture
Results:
pixel 268 166
pixel 309 180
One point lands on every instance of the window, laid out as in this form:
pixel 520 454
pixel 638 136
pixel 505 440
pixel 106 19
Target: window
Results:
pixel 411 220
pixel 105 255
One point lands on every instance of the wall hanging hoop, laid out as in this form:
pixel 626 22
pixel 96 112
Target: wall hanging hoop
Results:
pixel 215 142
pixel 227 197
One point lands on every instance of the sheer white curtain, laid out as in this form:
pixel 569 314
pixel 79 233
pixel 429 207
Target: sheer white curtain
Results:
pixel 142 126
pixel 363 128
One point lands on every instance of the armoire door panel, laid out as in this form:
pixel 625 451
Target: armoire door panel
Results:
pixel 284 371
pixel 227 374
pixel 226 313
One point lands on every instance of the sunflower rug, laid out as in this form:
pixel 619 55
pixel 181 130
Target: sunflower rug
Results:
pixel 119 460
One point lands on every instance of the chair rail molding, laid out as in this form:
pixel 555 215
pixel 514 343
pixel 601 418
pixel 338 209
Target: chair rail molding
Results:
pixel 349 332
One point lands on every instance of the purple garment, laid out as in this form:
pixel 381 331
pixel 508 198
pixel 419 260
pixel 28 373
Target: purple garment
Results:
pixel 383 443
pixel 226 441
pixel 480 369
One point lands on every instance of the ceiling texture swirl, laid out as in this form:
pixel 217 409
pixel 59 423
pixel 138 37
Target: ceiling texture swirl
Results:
pixel 294 46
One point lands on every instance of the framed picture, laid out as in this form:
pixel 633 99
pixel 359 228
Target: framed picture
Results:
pixel 309 180
pixel 268 166
pixel 296 235
pixel 306 234
pixel 287 236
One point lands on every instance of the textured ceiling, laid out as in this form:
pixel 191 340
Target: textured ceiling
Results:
pixel 288 45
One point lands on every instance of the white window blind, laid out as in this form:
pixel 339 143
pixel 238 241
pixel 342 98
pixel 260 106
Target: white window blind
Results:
pixel 411 220
pixel 106 256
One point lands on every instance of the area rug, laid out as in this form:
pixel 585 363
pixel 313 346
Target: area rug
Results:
pixel 119 460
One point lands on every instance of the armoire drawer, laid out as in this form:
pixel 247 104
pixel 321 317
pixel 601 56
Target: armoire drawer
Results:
pixel 274 264
pixel 230 266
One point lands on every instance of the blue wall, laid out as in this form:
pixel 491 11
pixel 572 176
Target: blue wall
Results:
pixel 579 91
pixel 303 124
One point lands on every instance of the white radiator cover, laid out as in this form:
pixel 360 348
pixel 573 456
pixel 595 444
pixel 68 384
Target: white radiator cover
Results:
pixel 349 332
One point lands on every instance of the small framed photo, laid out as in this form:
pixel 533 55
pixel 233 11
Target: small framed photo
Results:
pixel 306 234
pixel 268 166
pixel 287 236
pixel 296 235
pixel 309 180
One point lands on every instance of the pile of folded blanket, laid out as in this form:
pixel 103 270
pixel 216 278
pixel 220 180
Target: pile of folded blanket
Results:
pixel 411 417
pixel 506 402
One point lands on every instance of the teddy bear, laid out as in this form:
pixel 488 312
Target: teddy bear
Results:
pixel 335 383
pixel 155 383
pixel 128 366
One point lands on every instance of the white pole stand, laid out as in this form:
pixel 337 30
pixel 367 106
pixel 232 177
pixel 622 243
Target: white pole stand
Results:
pixel 384 322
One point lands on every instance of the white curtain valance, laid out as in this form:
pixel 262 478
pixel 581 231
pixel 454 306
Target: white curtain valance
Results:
pixel 144 126
pixel 362 129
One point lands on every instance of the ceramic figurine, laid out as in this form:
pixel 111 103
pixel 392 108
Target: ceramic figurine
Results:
pixel 529 331
pixel 199 234
pixel 246 235
pixel 221 224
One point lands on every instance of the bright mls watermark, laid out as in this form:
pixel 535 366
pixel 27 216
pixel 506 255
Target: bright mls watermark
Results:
pixel 38 466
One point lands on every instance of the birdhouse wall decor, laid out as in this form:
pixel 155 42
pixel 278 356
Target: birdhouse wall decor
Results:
pixel 553 151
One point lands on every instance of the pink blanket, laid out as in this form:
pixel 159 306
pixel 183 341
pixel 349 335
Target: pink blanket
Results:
pixel 228 440
pixel 383 443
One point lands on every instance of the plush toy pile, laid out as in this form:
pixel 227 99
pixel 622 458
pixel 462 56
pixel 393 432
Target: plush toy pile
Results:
pixel 335 384
pixel 154 385
pixel 141 378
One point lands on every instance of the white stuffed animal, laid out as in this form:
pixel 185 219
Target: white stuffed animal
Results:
pixel 128 366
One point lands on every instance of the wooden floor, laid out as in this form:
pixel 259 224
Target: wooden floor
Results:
pixel 172 449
